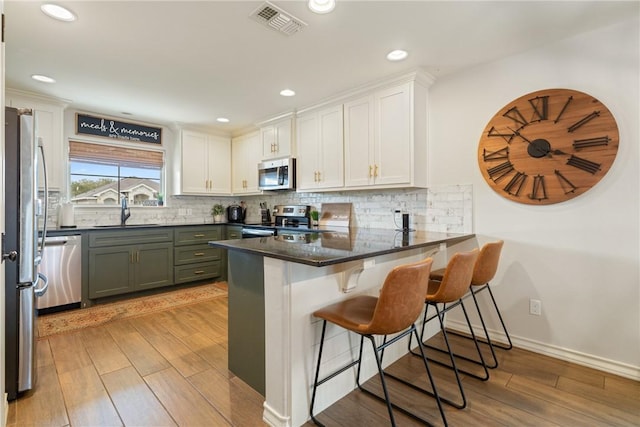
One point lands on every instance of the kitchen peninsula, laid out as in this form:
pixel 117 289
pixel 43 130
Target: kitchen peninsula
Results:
pixel 277 282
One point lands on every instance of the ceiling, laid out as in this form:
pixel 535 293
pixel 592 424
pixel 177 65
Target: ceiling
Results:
pixel 181 63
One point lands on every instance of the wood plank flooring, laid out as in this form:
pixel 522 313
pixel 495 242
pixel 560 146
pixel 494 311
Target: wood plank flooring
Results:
pixel 170 368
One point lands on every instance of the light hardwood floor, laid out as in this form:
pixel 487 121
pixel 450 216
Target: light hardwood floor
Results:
pixel 170 368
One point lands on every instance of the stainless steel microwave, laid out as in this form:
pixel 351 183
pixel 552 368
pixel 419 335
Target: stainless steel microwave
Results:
pixel 277 174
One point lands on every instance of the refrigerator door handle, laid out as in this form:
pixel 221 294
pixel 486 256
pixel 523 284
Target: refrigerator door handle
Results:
pixel 46 201
pixel 43 290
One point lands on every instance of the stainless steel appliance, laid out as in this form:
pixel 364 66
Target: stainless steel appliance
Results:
pixel 287 217
pixel 21 247
pixel 251 232
pixel 236 213
pixel 292 216
pixel 61 264
pixel 279 174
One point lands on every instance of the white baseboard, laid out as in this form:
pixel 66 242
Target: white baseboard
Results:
pixel 591 361
pixel 274 419
pixel 5 404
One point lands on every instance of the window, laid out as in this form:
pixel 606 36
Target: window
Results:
pixel 102 174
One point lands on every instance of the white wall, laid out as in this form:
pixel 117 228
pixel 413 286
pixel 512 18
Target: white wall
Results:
pixel 579 257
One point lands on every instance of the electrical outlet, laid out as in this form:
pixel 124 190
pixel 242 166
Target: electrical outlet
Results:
pixel 535 307
pixel 189 212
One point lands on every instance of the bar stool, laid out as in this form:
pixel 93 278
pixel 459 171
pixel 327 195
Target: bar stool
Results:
pixel 449 292
pixel 483 272
pixel 396 309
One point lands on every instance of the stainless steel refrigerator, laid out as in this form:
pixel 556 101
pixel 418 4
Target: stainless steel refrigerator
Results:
pixel 22 246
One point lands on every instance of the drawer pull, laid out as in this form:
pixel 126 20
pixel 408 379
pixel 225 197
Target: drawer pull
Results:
pixel 198 272
pixel 198 254
pixel 198 235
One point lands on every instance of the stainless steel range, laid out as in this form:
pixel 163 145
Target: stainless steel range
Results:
pixel 287 217
pixel 296 216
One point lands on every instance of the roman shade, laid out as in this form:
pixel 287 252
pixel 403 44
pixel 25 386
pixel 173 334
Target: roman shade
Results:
pixel 130 157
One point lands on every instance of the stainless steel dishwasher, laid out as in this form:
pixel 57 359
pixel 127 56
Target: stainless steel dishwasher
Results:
pixel 61 263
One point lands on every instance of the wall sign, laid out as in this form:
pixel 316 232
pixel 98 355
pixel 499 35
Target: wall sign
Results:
pixel 99 126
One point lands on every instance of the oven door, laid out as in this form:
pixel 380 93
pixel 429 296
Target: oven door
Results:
pixel 248 233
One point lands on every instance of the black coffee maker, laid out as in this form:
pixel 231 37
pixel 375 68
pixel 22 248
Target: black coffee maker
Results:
pixel 236 213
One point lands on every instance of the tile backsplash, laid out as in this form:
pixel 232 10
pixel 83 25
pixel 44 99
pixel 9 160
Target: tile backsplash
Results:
pixel 443 208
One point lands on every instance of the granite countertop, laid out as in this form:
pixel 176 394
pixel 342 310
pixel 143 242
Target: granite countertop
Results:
pixel 60 231
pixel 334 247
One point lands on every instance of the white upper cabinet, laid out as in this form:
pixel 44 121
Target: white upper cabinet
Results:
pixel 205 162
pixel 246 153
pixel 49 118
pixel 319 140
pixel 385 138
pixel 277 139
pixel 358 135
pixel 392 142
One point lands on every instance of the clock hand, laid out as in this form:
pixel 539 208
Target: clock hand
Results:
pixel 517 133
pixel 538 148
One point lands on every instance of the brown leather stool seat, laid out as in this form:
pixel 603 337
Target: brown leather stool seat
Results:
pixel 483 272
pixel 395 310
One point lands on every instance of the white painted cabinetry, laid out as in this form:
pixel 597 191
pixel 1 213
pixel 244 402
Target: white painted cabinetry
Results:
pixel 277 139
pixel 385 138
pixel 49 117
pixel 358 135
pixel 319 140
pixel 205 164
pixel 246 152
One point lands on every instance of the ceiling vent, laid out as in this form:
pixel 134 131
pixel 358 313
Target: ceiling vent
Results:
pixel 277 19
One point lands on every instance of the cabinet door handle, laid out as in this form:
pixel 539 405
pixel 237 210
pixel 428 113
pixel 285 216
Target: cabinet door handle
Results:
pixel 198 272
pixel 138 257
pixel 198 235
pixel 370 171
pixel 375 171
pixel 131 255
pixel 319 176
pixel 198 254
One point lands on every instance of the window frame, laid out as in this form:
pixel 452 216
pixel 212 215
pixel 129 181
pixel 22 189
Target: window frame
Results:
pixel 161 150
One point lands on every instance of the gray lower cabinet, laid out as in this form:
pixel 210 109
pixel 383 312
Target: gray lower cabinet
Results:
pixel 126 261
pixel 234 232
pixel 193 257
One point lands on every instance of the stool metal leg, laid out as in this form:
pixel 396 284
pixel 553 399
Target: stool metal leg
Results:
pixel 382 381
pixel 315 381
pixel 487 340
pixel 481 362
pixel 411 331
pixel 504 328
pixel 440 316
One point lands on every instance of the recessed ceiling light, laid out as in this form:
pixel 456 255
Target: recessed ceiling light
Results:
pixel 222 120
pixel 43 79
pixel 58 12
pixel 322 6
pixel 287 92
pixel 397 55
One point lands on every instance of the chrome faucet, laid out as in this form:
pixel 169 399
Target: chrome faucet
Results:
pixel 124 211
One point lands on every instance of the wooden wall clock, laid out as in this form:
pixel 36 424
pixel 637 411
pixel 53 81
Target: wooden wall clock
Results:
pixel 548 146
